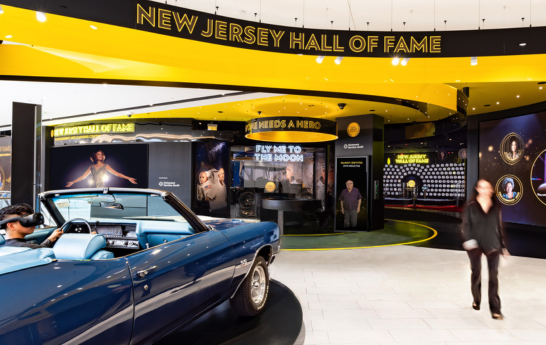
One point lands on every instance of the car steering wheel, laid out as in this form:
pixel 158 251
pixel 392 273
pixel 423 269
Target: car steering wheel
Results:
pixel 69 222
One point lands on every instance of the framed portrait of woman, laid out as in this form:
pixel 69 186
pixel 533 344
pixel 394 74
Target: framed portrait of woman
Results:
pixel 512 148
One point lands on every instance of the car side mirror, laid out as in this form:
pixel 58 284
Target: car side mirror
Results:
pixel 111 205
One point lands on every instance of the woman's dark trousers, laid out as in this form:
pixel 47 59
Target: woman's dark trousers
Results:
pixel 475 256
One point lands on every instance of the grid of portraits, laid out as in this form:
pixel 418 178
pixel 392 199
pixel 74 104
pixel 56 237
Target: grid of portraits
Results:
pixel 444 180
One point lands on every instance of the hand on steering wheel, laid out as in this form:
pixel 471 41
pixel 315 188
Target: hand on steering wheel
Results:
pixel 66 225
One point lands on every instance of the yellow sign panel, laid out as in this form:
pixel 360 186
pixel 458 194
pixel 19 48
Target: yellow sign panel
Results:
pixel 353 129
pixel 95 129
pixel 412 158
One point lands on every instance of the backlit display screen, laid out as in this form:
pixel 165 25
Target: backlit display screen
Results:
pixel 513 158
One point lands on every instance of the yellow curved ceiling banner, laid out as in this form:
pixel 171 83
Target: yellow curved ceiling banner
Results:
pixel 65 47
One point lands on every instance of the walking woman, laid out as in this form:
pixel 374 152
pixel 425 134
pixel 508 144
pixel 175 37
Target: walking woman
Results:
pixel 482 232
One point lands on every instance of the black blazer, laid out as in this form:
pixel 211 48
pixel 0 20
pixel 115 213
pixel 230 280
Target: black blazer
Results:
pixel 485 228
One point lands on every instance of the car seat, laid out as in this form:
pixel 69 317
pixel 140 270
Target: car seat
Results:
pixel 81 247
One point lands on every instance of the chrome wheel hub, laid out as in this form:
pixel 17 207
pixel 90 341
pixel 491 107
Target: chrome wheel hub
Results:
pixel 258 283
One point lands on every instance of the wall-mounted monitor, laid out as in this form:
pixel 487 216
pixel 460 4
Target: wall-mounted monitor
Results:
pixel 98 166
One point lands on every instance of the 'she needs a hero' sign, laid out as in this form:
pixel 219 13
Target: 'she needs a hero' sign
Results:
pixel 185 23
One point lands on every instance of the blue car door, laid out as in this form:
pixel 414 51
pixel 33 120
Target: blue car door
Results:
pixel 176 281
pixel 67 302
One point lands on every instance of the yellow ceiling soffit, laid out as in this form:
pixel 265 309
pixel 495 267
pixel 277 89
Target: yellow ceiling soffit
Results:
pixel 170 59
pixel 286 105
pixel 46 62
pixel 153 57
pixel 291 137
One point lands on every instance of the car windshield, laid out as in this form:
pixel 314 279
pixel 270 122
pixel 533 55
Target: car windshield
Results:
pixel 92 207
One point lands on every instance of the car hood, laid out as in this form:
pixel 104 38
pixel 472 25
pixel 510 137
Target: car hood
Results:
pixel 224 223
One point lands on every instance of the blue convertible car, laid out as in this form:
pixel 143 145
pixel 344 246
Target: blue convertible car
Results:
pixel 131 267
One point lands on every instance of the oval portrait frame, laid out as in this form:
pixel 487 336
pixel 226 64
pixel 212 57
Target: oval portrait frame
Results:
pixel 499 190
pixel 531 177
pixel 504 148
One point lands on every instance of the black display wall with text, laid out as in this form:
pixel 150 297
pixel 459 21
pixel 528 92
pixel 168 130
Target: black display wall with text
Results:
pixel 170 169
pixel 362 136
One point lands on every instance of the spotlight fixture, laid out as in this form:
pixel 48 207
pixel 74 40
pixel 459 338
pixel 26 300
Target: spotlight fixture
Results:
pixel 320 58
pixel 341 105
pixel 41 16
pixel 338 60
pixel 474 60
pixel 1 10
pixel 404 61
pixel 523 44
pixel 395 61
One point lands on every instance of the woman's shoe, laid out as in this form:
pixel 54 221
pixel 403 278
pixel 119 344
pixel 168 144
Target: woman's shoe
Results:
pixel 497 316
pixel 475 306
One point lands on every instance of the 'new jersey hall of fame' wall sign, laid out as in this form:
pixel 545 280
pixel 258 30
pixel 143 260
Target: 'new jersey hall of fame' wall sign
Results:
pixel 291 129
pixel 181 22
pixel 176 21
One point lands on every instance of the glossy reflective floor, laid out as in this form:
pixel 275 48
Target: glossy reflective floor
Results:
pixel 279 323
pixel 410 295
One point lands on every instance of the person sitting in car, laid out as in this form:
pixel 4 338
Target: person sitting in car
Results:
pixel 15 232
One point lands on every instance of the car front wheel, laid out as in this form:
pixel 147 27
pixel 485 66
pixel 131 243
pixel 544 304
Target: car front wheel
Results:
pixel 252 295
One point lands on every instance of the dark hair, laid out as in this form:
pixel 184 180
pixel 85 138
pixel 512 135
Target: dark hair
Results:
pixel 94 155
pixel 15 210
pixel 475 192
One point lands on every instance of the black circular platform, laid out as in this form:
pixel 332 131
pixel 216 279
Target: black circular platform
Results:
pixel 279 323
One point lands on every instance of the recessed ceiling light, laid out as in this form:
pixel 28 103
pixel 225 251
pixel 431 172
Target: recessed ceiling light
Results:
pixel 473 108
pixel 457 81
pixel 517 96
pixel 9 36
pixel 497 102
pixel 93 27
pixel 522 44
pixel 41 16
pixel 540 88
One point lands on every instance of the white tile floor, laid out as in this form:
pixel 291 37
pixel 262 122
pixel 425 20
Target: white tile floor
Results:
pixel 411 295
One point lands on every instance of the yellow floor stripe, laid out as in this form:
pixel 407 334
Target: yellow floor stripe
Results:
pixel 384 245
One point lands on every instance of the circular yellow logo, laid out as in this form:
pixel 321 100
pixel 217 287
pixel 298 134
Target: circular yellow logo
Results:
pixel 270 187
pixel 411 184
pixel 353 129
